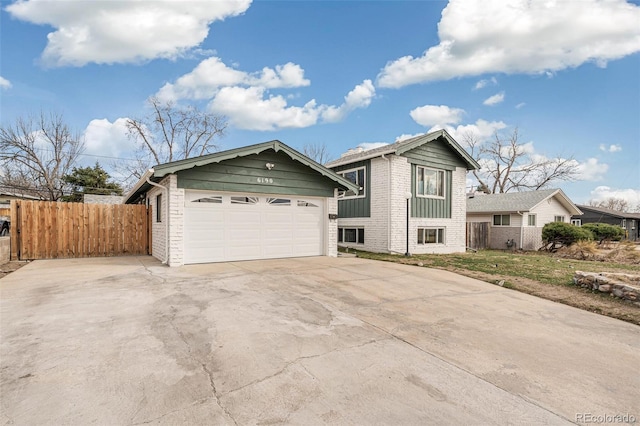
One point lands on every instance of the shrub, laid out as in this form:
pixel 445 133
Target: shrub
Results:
pixel 563 234
pixel 604 232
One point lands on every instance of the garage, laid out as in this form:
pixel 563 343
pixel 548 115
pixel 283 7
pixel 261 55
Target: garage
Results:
pixel 226 227
pixel 263 201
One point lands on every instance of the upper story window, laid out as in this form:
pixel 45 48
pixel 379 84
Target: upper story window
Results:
pixel 501 220
pixel 357 176
pixel 558 218
pixel 429 182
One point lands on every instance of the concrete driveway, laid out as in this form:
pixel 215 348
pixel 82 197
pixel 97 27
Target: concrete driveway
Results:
pixel 301 341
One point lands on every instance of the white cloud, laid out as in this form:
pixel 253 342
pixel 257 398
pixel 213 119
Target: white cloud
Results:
pixel 520 36
pixel 246 100
pixel 432 115
pixel 4 83
pixel 108 32
pixel 211 74
pixel 520 105
pixel 610 148
pixel 481 130
pixel 603 193
pixel 591 170
pixel 486 82
pixel 359 97
pixel 372 145
pixel 495 99
pixel 108 139
pixel 247 108
pixel 406 136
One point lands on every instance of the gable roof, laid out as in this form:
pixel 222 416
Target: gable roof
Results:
pixel 518 201
pixel 162 170
pixel 401 147
pixel 609 212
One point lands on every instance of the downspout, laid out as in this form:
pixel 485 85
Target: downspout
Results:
pixel 388 203
pixel 166 221
pixel 521 228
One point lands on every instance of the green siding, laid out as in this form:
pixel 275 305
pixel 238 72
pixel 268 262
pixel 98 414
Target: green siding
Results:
pixel 356 207
pixel 249 174
pixel 437 154
pixel 431 207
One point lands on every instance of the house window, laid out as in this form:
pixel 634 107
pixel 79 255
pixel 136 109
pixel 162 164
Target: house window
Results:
pixel 430 235
pixel 429 182
pixel 558 218
pixel 351 235
pixel 576 222
pixel 159 208
pixel 357 176
pixel 532 219
pixel 624 223
pixel 501 220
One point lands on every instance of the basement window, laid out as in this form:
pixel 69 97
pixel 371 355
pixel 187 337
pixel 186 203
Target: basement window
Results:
pixel 431 236
pixel 351 235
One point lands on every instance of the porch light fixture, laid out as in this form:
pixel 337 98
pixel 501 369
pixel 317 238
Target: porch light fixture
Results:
pixel 407 196
pixel 269 166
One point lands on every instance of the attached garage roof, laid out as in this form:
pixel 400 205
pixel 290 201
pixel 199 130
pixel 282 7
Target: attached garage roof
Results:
pixel 162 170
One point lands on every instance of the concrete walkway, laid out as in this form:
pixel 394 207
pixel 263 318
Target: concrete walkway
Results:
pixel 301 341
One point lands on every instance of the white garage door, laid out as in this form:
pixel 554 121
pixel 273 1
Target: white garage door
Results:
pixel 225 227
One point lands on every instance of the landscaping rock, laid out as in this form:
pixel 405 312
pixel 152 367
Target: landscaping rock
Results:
pixel 624 286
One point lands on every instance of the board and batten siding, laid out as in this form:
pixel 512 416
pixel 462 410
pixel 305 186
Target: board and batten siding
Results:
pixel 356 207
pixel 250 175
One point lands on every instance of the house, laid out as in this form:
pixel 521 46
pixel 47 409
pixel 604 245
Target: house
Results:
pixel 516 219
pixel 411 196
pixel 629 221
pixel 257 202
pixel 8 194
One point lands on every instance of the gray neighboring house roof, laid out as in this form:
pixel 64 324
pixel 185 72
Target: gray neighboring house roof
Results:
pixel 401 147
pixel 609 212
pixel 518 201
pixel 159 171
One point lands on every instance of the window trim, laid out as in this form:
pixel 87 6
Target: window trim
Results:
pixel 359 231
pixel 561 217
pixel 439 172
pixel 501 220
pixel 534 217
pixel 439 231
pixel 576 222
pixel 363 186
pixel 159 208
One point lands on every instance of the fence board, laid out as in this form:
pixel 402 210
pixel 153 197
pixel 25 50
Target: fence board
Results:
pixel 477 235
pixel 5 212
pixel 49 230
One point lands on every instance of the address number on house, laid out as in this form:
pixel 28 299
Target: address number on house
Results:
pixel 265 180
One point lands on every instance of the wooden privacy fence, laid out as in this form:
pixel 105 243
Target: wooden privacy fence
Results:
pixel 478 235
pixel 49 230
pixel 5 212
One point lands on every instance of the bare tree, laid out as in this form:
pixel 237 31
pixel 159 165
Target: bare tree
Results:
pixel 611 203
pixel 35 154
pixel 508 165
pixel 317 152
pixel 171 133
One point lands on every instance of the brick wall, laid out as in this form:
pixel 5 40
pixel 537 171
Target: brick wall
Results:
pixel 173 222
pixel 331 234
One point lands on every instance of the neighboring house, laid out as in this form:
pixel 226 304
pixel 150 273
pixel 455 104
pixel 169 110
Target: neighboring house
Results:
pixel 431 171
pixel 629 221
pixel 102 199
pixel 7 195
pixel 515 219
pixel 257 202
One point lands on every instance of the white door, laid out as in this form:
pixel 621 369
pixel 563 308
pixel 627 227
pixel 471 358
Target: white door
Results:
pixel 224 227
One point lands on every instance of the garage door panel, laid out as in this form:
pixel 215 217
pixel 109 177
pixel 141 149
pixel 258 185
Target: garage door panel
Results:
pixel 265 227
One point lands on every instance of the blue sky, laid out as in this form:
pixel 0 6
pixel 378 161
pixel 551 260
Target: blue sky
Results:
pixel 566 73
